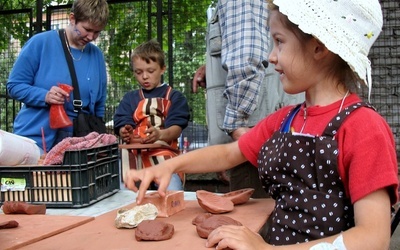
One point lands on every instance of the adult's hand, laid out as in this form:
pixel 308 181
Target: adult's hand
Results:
pixel 237 133
pixel 222 176
pixel 199 78
pixel 56 95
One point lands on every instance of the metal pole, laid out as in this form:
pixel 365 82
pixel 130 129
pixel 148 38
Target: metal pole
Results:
pixel 170 47
pixel 159 21
pixel 39 13
pixel 149 15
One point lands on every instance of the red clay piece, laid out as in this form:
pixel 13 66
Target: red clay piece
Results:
pixel 208 225
pixel 200 218
pixel 19 207
pixel 214 203
pixel 8 224
pixel 239 196
pixel 154 230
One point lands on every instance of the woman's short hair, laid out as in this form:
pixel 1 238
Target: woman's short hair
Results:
pixel 94 11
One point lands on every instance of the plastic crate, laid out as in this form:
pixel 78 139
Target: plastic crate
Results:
pixel 85 177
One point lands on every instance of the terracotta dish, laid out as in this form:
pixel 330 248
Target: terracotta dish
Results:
pixel 214 203
pixel 239 196
pixel 214 221
pixel 154 230
pixel 218 204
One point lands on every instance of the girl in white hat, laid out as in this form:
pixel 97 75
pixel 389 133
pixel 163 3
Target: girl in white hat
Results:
pixel 330 162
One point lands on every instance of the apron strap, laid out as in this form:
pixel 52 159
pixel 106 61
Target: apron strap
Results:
pixel 333 126
pixel 285 127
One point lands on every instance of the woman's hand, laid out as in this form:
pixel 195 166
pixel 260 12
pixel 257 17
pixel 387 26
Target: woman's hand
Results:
pixel 56 95
pixel 235 237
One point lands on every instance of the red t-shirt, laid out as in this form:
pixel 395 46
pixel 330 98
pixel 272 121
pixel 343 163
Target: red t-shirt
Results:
pixel 367 153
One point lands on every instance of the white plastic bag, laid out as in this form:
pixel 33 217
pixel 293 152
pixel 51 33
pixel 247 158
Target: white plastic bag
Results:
pixel 17 150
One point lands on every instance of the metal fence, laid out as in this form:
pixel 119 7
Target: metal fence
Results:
pixel 131 22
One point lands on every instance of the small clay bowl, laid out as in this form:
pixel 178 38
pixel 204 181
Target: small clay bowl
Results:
pixel 239 196
pixel 214 203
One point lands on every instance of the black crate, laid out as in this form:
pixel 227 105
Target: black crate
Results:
pixel 85 177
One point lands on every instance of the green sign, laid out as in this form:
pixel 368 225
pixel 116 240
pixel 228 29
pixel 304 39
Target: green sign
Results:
pixel 13 184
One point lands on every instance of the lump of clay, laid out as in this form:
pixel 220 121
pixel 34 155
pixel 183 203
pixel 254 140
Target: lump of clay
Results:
pixel 214 221
pixel 8 224
pixel 19 207
pixel 154 230
pixel 200 218
pixel 130 218
pixel 214 203
pixel 239 196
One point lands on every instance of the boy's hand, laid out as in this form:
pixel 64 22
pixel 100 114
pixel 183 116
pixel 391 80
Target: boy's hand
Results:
pixel 153 134
pixel 125 133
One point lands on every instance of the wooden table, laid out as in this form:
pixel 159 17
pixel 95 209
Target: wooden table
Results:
pixel 33 228
pixel 102 234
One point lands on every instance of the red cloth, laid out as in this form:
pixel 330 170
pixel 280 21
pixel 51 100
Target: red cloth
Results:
pixel 56 155
pixel 367 153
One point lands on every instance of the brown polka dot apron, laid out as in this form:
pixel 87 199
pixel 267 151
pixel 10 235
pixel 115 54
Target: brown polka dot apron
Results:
pixel 300 172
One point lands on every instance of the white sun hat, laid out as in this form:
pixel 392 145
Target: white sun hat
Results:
pixel 348 28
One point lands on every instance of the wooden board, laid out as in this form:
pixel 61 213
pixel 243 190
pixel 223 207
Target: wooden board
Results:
pixel 33 228
pixel 102 234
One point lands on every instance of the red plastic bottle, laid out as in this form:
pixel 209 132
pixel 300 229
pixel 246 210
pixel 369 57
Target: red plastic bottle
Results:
pixel 58 116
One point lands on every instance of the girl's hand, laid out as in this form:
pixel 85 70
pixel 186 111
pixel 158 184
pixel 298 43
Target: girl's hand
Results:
pixel 160 174
pixel 235 237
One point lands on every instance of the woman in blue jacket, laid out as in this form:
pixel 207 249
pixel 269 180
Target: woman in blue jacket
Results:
pixel 41 66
